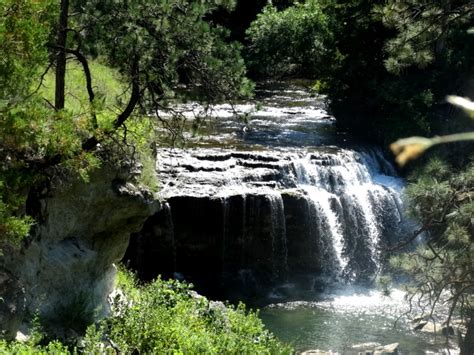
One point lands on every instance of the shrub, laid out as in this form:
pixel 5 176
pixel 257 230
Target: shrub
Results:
pixel 167 316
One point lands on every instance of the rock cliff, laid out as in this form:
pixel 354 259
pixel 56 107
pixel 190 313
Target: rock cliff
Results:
pixel 65 271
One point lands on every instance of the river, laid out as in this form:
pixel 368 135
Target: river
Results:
pixel 278 209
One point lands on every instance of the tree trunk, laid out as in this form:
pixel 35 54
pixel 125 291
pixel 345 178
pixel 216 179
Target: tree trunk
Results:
pixel 61 55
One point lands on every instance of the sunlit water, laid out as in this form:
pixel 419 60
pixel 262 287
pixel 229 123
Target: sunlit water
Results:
pixel 291 120
pixel 345 319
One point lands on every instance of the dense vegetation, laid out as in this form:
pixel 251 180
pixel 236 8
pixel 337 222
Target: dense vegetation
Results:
pixel 440 270
pixel 163 317
pixel 294 41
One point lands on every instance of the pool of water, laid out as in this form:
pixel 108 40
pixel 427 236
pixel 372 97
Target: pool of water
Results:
pixel 340 321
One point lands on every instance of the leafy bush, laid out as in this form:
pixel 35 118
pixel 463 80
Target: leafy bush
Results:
pixel 54 347
pixel 167 316
pixel 292 41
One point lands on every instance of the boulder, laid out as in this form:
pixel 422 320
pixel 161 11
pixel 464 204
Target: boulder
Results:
pixel 317 352
pixel 434 328
pixel 373 348
pixel 386 349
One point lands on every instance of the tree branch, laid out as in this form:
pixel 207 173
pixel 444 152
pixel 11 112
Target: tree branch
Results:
pixel 87 72
pixel 134 97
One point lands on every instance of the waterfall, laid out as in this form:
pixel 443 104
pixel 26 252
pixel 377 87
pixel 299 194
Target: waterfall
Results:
pixel 260 218
pixel 278 202
pixel 349 206
pixel 225 221
pixel 278 234
pixel 170 228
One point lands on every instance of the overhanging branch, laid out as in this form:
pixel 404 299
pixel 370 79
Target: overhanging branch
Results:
pixel 87 72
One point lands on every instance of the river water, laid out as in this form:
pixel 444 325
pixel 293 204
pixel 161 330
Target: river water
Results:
pixel 290 215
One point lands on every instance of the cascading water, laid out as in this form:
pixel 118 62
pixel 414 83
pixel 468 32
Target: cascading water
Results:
pixel 282 202
pixel 169 223
pixel 346 199
pixel 278 233
pixel 279 207
pixel 280 214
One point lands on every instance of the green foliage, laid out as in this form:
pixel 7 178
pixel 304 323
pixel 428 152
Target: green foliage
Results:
pixel 24 30
pixel 441 269
pixel 35 344
pixel 424 30
pixel 385 66
pixel 171 44
pixel 164 51
pixel 364 97
pixel 289 42
pixel 54 347
pixel 23 33
pixel 166 316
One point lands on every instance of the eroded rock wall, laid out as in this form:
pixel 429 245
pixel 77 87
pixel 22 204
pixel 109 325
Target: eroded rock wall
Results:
pixel 66 269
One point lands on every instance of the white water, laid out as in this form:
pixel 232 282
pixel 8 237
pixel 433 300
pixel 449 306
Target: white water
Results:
pixel 365 189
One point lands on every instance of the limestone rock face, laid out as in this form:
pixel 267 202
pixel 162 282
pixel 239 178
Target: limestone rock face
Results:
pixel 67 269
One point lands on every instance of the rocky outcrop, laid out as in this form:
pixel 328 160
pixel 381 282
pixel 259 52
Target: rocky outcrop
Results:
pixel 376 349
pixel 67 268
pixel 361 349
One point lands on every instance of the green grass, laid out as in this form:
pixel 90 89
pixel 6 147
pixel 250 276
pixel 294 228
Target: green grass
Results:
pixel 109 88
pixel 111 97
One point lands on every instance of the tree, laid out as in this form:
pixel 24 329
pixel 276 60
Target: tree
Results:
pixel 385 66
pixel 158 47
pixel 24 30
pixel 425 31
pixel 293 41
pixel 166 51
pixel 441 270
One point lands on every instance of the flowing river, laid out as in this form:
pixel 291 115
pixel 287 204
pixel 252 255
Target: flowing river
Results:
pixel 280 210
